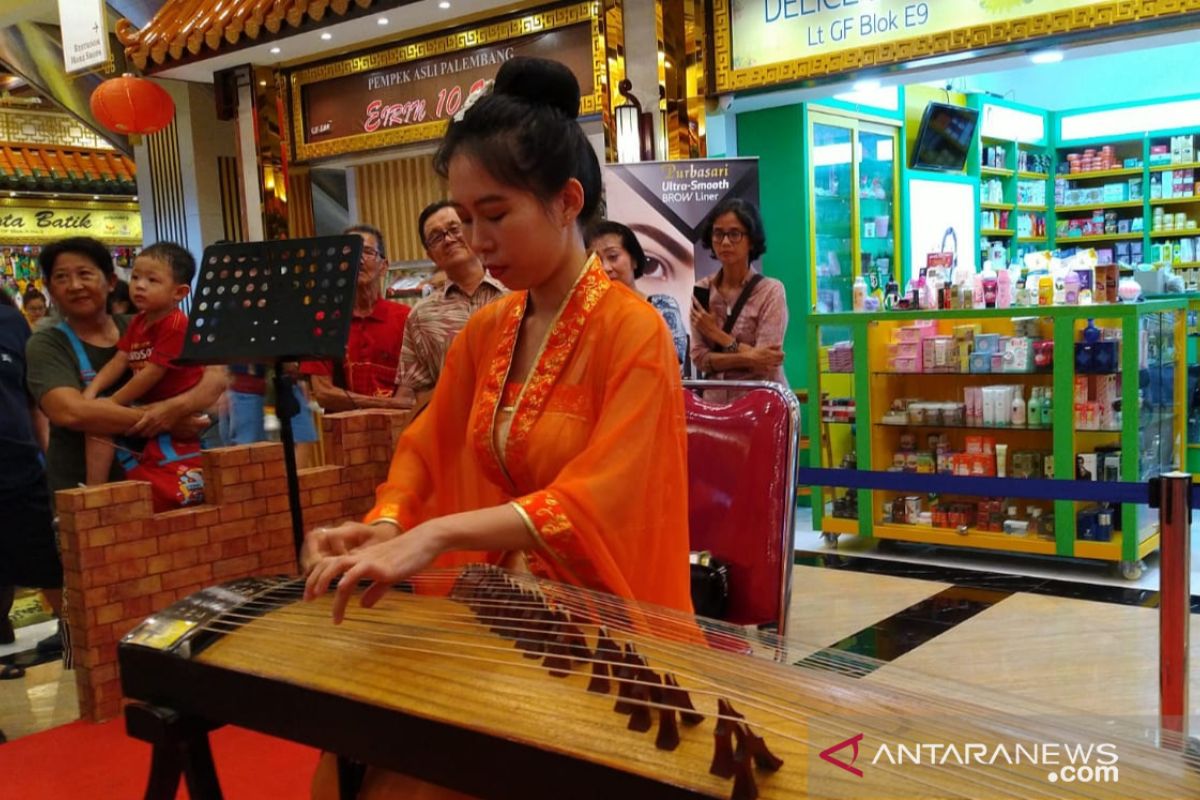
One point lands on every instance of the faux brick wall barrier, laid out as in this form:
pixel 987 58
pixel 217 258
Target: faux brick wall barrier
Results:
pixel 122 562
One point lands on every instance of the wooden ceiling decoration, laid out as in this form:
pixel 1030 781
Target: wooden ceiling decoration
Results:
pixel 187 29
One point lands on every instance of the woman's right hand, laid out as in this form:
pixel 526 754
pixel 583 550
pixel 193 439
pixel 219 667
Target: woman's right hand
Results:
pixel 322 543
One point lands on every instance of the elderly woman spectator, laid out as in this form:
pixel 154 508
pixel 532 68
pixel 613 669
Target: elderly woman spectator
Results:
pixel 79 275
pixel 625 261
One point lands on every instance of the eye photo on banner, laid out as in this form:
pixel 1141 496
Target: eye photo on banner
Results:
pixel 667 205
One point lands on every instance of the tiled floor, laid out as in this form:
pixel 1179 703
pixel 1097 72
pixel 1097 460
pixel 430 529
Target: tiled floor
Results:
pixel 44 698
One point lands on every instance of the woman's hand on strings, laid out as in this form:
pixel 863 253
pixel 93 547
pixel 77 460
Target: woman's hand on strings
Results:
pixel 321 543
pixel 382 563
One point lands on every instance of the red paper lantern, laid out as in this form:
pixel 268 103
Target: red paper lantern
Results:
pixel 132 105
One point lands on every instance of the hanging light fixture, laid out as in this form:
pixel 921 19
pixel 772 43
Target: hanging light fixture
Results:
pixel 629 125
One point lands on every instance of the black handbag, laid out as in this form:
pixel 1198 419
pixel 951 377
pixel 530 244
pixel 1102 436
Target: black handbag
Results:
pixel 710 586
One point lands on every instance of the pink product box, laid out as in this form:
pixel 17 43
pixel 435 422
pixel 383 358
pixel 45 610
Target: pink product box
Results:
pixel 904 349
pixel 997 362
pixel 917 331
pixel 904 364
pixel 940 354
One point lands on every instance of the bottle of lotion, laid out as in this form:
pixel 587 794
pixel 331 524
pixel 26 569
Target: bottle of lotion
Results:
pixel 1004 289
pixel 1018 407
pixel 860 293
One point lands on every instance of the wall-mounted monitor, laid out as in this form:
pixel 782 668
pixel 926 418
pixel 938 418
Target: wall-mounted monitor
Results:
pixel 944 137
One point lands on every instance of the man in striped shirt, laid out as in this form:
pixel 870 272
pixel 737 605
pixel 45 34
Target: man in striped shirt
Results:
pixel 437 319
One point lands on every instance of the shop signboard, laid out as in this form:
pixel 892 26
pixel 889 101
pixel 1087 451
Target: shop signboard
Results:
pixel 761 42
pixel 667 205
pixel 84 34
pixel 408 93
pixel 23 222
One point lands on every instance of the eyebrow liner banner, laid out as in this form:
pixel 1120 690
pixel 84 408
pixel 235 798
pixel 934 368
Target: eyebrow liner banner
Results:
pixel 668 204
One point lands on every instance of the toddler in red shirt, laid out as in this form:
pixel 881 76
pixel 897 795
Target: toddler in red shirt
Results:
pixel 162 277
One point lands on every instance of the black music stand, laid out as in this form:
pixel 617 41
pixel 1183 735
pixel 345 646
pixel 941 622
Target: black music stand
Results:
pixel 283 301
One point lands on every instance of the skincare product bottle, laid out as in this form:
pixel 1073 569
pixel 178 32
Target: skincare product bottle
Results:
pixel 1071 288
pixel 1047 407
pixel 1018 408
pixel 1033 412
pixel 1001 460
pixel 1004 289
pixel 860 293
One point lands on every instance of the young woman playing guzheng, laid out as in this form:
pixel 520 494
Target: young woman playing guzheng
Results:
pixel 555 440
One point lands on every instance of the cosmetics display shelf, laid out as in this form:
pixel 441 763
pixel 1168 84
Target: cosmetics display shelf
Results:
pixel 1151 393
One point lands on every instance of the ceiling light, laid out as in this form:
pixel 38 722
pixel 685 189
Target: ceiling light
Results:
pixel 95 197
pixel 262 83
pixel 381 21
pixel 12 194
pixel 276 51
pixel 326 36
pixel 1047 57
pixel 54 195
pixel 867 85
pixel 444 4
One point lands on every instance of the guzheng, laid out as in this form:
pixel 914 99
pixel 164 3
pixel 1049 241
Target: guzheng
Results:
pixel 504 686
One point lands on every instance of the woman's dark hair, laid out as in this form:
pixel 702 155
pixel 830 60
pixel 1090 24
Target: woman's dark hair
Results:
pixel 31 295
pixel 748 215
pixel 120 294
pixel 526 135
pixel 84 246
pixel 6 299
pixel 629 241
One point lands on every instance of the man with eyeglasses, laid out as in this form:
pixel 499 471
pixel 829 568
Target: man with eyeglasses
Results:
pixel 438 318
pixel 366 377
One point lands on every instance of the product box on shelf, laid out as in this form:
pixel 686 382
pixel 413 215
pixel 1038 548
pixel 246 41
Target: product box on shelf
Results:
pixel 1096 357
pixel 1026 326
pixel 1085 467
pixel 1018 355
pixel 1095 523
pixel 1135 188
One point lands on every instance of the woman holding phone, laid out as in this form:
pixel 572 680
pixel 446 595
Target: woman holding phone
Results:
pixel 739 317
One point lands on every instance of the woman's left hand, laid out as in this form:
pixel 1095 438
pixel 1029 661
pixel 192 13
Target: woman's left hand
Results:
pixel 383 564
pixel 705 323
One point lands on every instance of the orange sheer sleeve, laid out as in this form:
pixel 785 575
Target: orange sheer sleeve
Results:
pixel 615 517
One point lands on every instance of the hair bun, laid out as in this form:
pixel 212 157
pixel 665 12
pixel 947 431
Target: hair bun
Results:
pixel 540 82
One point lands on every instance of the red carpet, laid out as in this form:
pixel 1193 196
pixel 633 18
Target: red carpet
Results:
pixel 82 760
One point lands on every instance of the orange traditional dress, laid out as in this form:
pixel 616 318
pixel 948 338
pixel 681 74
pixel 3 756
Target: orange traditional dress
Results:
pixel 594 457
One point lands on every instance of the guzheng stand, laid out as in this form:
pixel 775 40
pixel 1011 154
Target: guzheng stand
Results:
pixel 255 302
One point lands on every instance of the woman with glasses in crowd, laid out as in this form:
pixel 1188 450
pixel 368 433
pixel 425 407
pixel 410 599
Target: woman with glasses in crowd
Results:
pixel 738 334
